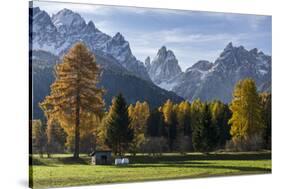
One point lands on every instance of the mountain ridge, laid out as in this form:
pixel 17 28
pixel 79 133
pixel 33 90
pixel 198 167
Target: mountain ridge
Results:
pixel 163 68
pixel 215 81
pixel 204 80
pixel 58 33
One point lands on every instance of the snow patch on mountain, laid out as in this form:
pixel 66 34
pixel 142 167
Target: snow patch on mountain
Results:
pixel 68 22
pixel 163 68
pixel 58 33
pixel 209 81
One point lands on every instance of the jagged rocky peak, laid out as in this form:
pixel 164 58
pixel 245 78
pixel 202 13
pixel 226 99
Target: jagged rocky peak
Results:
pixel 232 56
pixel 209 81
pixel 36 10
pixel 119 38
pixel 164 54
pixel 161 53
pixel 261 53
pixel 164 66
pixel 254 51
pixel 232 50
pixel 229 46
pixel 166 57
pixel 119 47
pixel 228 50
pixel 257 52
pixel 90 27
pixel 67 21
pixel 147 63
pixel 66 27
pixel 41 21
pixel 203 65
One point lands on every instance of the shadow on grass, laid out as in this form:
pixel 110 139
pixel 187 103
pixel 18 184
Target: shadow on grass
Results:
pixel 52 161
pixel 72 161
pixel 36 161
pixel 185 161
pixel 206 167
pixel 181 158
pixel 201 166
pixel 163 164
pixel 189 160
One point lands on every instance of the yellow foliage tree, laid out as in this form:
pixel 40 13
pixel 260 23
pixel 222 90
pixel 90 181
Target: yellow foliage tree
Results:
pixel 184 118
pixel 101 133
pixel 74 97
pixel 171 123
pixel 139 115
pixel 167 110
pixel 196 111
pixel 38 136
pixel 246 120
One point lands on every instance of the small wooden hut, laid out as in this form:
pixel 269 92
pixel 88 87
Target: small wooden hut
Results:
pixel 101 157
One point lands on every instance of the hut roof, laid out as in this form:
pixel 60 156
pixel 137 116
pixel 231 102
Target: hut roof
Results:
pixel 100 151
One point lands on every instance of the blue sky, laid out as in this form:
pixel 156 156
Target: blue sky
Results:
pixel 191 35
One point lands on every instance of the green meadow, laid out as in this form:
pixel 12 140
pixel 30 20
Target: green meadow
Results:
pixel 61 170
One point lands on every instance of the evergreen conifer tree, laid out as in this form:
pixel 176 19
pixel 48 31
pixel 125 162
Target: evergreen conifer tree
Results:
pixel 118 131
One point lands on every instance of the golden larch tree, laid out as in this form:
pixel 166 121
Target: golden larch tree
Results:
pixel 167 110
pixel 184 118
pixel 246 120
pixel 139 115
pixel 74 98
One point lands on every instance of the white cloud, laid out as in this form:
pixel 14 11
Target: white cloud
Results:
pixel 105 27
pixel 256 21
pixel 188 46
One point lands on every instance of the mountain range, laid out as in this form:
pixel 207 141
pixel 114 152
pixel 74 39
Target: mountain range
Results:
pixel 157 79
pixel 50 39
pixel 58 33
pixel 209 81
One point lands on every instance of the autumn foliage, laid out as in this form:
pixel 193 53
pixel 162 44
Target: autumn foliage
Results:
pixel 74 97
pixel 77 119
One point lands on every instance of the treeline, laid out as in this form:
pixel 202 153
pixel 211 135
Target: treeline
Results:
pixel 182 127
pixel 76 119
pixel 244 124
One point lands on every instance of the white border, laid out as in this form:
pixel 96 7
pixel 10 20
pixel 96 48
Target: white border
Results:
pixel 234 6
pixel 14 90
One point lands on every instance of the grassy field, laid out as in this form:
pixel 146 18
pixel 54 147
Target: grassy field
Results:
pixel 61 170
